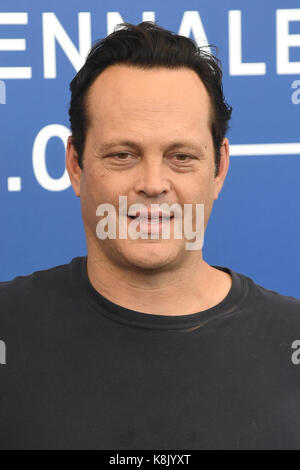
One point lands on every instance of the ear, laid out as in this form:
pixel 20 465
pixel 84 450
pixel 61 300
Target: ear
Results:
pixel 73 167
pixel 223 167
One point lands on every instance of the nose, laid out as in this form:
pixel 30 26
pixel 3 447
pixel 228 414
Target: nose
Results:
pixel 151 180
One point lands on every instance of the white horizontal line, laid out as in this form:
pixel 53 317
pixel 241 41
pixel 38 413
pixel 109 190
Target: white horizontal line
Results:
pixel 264 149
pixel 12 45
pixel 14 18
pixel 15 72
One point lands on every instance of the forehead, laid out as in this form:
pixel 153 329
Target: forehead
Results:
pixel 129 95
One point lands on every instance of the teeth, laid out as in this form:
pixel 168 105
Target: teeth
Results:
pixel 153 217
pixel 153 220
pixel 149 221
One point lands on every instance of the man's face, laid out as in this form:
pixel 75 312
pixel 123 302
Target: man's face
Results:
pixel 154 110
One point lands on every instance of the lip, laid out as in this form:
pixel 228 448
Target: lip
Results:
pixel 153 214
pixel 148 227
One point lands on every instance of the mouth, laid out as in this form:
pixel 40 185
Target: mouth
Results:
pixel 154 216
pixel 151 220
pixel 151 225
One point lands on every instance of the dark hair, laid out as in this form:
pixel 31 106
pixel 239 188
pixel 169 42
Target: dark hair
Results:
pixel 147 46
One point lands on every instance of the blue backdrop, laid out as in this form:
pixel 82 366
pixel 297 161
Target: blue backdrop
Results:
pixel 255 224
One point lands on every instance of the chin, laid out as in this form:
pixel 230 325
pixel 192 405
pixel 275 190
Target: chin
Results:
pixel 153 257
pixel 149 265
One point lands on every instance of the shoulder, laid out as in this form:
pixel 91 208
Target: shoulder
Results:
pixel 274 297
pixel 35 278
pixel 270 306
pixel 250 294
pixel 37 287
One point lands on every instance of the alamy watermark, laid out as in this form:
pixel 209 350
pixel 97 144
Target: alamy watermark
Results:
pixel 160 220
pixel 296 354
pixel 296 94
pixel 2 92
pixel 2 352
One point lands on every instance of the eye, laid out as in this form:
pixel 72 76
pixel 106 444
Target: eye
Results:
pixel 184 156
pixel 121 157
pixel 122 154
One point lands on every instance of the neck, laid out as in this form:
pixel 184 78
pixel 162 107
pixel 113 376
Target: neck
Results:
pixel 192 287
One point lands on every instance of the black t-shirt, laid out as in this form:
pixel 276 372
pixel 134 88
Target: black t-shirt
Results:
pixel 81 372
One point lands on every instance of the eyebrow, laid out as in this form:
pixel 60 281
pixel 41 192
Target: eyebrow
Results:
pixel 105 146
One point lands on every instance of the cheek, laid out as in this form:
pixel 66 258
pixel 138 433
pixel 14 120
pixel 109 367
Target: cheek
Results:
pixel 202 192
pixel 200 189
pixel 95 184
pixel 91 195
pixel 102 187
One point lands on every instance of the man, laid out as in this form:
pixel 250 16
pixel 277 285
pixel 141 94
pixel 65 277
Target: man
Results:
pixel 142 344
